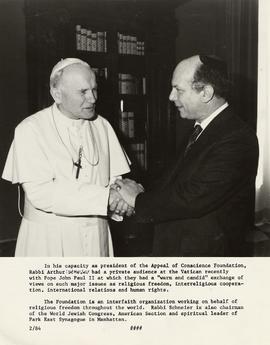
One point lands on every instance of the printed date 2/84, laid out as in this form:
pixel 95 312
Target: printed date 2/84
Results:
pixel 34 328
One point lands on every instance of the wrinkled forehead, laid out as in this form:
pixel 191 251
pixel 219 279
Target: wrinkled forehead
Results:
pixel 78 73
pixel 183 73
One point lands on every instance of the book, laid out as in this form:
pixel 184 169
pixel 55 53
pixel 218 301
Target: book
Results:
pixel 138 150
pixel 100 42
pixel 124 45
pixel 78 37
pixel 123 123
pixel 101 72
pixel 89 40
pixel 83 39
pixel 94 42
pixel 105 41
pixel 129 44
pixel 130 116
pixel 144 86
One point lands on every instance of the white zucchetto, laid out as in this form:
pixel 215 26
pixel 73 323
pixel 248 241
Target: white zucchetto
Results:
pixel 63 63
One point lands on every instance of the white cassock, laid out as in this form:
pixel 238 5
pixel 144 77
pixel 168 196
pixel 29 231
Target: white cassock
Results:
pixel 64 216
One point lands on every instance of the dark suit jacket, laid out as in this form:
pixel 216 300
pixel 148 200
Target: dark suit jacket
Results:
pixel 206 204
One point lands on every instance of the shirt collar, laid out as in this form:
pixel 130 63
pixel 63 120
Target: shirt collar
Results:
pixel 66 121
pixel 211 117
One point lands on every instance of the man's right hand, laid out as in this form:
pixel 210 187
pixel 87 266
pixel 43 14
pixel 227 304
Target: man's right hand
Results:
pixel 118 205
pixel 128 190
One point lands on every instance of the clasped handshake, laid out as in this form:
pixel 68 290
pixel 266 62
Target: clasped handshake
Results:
pixel 122 197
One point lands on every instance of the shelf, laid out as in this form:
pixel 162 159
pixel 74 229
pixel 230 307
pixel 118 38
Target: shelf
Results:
pixel 133 64
pixel 132 97
pixel 54 36
pixel 95 59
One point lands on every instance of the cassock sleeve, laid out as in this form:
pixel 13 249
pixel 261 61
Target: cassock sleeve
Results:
pixel 119 161
pixel 28 164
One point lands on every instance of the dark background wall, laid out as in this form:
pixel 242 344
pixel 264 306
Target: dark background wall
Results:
pixel 229 29
pixel 13 101
pixel 201 29
pixel 224 27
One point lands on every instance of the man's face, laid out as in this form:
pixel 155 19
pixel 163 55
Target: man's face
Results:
pixel 78 92
pixel 185 98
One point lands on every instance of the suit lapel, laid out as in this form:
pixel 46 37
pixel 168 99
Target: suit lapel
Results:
pixel 219 125
pixel 212 132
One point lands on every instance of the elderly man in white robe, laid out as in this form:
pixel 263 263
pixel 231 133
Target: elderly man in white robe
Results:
pixel 66 157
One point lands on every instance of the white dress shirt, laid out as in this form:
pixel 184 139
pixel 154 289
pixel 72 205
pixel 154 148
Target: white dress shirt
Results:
pixel 211 117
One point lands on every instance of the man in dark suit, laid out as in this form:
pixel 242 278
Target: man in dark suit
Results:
pixel 205 205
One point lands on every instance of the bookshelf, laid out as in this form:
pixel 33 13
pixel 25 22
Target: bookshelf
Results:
pixel 130 45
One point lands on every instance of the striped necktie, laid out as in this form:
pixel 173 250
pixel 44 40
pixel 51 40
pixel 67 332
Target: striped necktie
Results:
pixel 197 130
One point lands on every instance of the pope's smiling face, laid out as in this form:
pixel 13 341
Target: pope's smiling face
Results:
pixel 77 91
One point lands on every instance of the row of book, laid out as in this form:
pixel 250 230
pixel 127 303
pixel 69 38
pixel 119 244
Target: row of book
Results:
pixel 139 152
pixel 130 45
pixel 101 72
pixel 88 40
pixel 131 85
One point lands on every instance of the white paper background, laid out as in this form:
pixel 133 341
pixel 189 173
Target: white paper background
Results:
pixel 250 327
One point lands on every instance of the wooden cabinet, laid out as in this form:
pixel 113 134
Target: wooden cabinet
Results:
pixel 133 88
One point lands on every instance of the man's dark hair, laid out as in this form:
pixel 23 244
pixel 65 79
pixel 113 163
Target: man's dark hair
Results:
pixel 212 71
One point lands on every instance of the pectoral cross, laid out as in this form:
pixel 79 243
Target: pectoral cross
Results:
pixel 78 163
